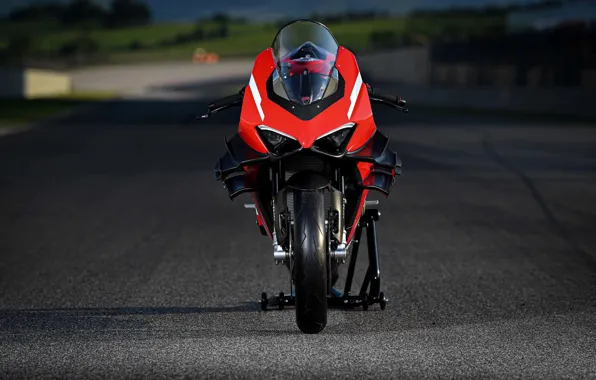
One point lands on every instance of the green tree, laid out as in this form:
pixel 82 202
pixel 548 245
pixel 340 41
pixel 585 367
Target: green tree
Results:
pixel 49 12
pixel 128 13
pixel 221 18
pixel 84 13
pixel 19 47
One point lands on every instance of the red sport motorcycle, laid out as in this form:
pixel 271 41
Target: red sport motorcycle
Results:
pixel 308 150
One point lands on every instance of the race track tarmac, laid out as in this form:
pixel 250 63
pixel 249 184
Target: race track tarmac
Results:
pixel 121 256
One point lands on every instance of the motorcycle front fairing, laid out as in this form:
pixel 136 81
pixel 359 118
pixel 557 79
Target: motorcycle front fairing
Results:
pixel 295 109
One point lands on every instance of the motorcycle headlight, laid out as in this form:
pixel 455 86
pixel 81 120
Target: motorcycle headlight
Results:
pixel 335 142
pixel 277 142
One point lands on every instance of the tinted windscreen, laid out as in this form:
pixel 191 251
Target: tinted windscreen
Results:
pixel 305 54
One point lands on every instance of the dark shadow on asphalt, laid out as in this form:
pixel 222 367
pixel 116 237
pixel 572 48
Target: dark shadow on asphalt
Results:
pixel 131 310
pixel 71 319
pixel 128 136
pixel 154 322
pixel 18 314
pixel 189 100
pixel 134 136
pixel 221 87
pixel 136 320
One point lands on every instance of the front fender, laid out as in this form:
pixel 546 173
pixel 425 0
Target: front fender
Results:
pixel 308 181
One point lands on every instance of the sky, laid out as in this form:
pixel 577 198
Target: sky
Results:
pixel 188 10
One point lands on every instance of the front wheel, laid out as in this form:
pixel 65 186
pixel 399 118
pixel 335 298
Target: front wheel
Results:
pixel 310 261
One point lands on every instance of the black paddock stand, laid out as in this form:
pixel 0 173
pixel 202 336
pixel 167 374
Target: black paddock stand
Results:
pixel 371 282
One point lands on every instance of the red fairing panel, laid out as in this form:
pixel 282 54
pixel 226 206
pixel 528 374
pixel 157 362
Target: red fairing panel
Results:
pixel 354 106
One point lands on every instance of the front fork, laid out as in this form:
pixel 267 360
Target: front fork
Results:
pixel 370 292
pixel 334 225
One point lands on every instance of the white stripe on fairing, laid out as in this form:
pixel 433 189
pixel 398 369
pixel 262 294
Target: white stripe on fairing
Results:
pixel 256 96
pixel 354 95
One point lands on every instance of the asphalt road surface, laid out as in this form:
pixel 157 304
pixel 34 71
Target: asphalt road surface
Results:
pixel 120 256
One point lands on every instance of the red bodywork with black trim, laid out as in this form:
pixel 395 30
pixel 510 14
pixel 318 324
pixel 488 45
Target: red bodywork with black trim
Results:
pixel 241 168
pixel 307 131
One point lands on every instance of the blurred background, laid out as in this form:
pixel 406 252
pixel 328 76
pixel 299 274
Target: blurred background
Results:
pixel 523 56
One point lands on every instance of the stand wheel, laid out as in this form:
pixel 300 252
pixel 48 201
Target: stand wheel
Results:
pixel 264 301
pixel 365 302
pixel 281 301
pixel 382 301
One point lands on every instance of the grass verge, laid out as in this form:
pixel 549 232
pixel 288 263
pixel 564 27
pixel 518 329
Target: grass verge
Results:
pixel 16 112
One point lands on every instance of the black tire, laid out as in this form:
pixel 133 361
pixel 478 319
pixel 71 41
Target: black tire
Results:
pixel 310 261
